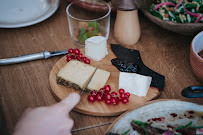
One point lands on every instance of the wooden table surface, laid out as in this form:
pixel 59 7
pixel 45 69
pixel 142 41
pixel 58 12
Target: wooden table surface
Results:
pixel 26 85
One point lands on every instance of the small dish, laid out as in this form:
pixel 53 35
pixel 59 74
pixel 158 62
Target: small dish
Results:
pixel 22 13
pixel 196 61
pixel 84 22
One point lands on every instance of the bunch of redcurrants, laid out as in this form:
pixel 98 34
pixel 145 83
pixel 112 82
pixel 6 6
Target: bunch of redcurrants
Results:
pixel 109 98
pixel 75 54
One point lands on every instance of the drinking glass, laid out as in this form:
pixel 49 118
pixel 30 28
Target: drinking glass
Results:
pixel 87 18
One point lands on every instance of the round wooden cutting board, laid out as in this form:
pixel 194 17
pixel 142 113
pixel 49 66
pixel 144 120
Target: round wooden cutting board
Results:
pixel 98 108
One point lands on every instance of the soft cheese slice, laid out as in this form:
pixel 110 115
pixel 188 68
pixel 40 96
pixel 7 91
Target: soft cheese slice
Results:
pixel 96 48
pixel 135 83
pixel 75 74
pixel 98 80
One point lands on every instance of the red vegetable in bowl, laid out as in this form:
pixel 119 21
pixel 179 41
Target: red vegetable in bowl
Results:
pixel 164 3
pixel 190 13
pixel 199 18
pixel 176 7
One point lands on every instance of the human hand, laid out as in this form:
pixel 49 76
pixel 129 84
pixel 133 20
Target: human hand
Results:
pixel 51 120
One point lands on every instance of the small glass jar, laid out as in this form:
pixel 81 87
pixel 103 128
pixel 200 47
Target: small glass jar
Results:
pixel 87 18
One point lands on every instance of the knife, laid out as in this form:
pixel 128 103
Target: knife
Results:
pixel 85 88
pixel 30 57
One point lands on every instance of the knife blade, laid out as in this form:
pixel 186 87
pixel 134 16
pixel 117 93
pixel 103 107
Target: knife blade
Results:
pixel 81 91
pixel 30 57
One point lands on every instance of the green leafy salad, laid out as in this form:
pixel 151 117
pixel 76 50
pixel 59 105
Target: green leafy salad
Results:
pixel 88 30
pixel 180 11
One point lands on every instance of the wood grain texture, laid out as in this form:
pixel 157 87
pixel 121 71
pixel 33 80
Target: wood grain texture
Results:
pixel 27 84
pixel 98 108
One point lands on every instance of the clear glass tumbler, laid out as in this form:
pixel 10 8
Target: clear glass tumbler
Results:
pixel 87 18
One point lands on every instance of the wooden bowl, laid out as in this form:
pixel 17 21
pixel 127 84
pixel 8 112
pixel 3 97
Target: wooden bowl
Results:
pixel 182 28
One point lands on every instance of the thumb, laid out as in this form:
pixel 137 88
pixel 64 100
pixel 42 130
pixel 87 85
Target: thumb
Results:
pixel 69 102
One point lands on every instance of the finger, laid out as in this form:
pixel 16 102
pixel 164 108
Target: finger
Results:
pixel 28 110
pixel 69 102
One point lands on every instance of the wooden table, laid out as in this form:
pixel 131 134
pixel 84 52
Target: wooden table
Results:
pixel 26 85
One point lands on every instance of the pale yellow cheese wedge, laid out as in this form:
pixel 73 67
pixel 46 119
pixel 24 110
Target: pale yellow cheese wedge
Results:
pixel 98 80
pixel 75 74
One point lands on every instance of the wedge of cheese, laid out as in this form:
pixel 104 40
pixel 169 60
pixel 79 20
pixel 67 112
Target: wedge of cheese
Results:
pixel 134 83
pixel 75 74
pixel 98 80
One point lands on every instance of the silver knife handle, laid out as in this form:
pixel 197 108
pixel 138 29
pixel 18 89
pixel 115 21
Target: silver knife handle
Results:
pixel 29 57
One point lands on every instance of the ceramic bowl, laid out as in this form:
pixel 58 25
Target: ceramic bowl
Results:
pixel 195 60
pixel 182 28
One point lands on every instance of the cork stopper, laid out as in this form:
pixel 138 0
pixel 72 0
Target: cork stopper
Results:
pixel 127 5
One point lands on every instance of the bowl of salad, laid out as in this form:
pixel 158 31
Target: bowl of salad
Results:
pixel 180 16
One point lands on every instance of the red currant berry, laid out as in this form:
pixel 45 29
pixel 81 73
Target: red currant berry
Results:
pixel 80 56
pixel 125 100
pixel 68 58
pixel 76 51
pixel 70 51
pixel 99 97
pixel 113 94
pixel 108 96
pixel 93 93
pixel 87 61
pixel 107 88
pixel 91 98
pixel 107 101
pixel 127 94
pixel 121 91
pixel 119 99
pixel 102 89
pixel 99 93
pixel 84 58
pixel 72 57
pixel 122 95
pixel 113 100
pixel 76 58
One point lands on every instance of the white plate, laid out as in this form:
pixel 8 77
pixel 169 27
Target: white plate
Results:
pixel 170 112
pixel 21 13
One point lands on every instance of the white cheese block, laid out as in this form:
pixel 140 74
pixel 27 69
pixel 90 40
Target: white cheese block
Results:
pixel 75 73
pixel 96 48
pixel 134 83
pixel 98 80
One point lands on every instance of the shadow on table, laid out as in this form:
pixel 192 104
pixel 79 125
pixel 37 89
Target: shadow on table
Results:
pixel 3 127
